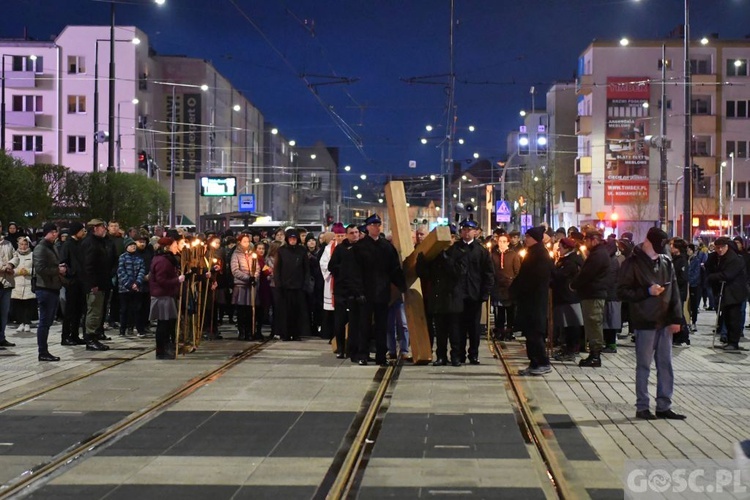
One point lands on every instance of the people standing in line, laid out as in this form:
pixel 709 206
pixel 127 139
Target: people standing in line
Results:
pixel 146 252
pixel 164 281
pixel 381 267
pixel 339 235
pixel 244 266
pixel 477 283
pixel 291 275
pixel 648 283
pixel 226 282
pixel 315 296
pixel 8 263
pixel 348 296
pixel 709 257
pixel 23 299
pixel 267 274
pixel 591 286
pixel 515 242
pixel 48 272
pixel 678 249
pixel 566 305
pixel 264 300
pixel 115 247
pixel 729 281
pixel 506 265
pixel 97 281
pixel 612 320
pixel 75 295
pixel 530 290
pixel 131 274
pixel 445 300
pixel 695 272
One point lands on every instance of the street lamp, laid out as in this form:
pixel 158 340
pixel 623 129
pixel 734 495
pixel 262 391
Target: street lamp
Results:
pixel 731 196
pixel 119 135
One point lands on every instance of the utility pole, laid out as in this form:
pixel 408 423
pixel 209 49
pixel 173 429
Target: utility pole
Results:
pixel 663 183
pixel 687 193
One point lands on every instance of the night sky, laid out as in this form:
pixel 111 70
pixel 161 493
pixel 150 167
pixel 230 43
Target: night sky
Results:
pixel 502 48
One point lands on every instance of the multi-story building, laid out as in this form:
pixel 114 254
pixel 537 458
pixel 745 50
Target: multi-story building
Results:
pixel 619 106
pixel 562 152
pixel 31 100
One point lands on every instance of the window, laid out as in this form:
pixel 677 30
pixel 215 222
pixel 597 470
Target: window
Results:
pixel 27 143
pixel 143 82
pixel 76 144
pixel 737 109
pixel 76 64
pixel 736 67
pixel 741 149
pixel 27 103
pixel 702 145
pixel 26 63
pixel 700 66
pixel 76 104
pixel 669 103
pixel 731 109
pixel 700 105
pixel 741 191
pixel 662 62
pixel 731 149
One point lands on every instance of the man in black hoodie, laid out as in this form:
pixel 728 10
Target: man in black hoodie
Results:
pixel 648 283
pixel 291 273
pixel 591 285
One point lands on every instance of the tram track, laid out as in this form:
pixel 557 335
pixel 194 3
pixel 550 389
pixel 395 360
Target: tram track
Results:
pixel 34 477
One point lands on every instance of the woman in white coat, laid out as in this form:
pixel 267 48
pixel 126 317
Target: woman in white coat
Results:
pixel 339 234
pixel 22 299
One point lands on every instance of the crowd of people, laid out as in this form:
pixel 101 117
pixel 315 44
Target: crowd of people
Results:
pixel 347 285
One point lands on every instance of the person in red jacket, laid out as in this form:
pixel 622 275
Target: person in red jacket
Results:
pixel 164 281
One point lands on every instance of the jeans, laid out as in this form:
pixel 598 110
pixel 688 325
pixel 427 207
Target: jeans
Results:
pixel 4 310
pixel 397 328
pixel 48 301
pixel 654 345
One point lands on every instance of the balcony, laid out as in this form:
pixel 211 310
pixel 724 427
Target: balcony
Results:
pixel 584 84
pixel 28 157
pixel 705 83
pixel 20 119
pixel 20 79
pixel 583 125
pixel 704 124
pixel 583 165
pixel 583 206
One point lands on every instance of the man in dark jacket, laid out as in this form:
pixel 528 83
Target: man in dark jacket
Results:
pixel 48 271
pixel 730 278
pixel 381 266
pixel 291 274
pixel 477 282
pixel 678 249
pixel 648 283
pixel 348 295
pixel 530 290
pixel 75 297
pixel 96 280
pixel 444 300
pixel 591 286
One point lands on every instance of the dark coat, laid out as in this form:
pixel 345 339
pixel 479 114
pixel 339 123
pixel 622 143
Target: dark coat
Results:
pixel 71 255
pixel 591 282
pixel 46 268
pixel 730 269
pixel 97 267
pixel 637 274
pixel 292 268
pixel 680 264
pixel 613 271
pixel 444 295
pixel 566 268
pixel 163 275
pixel 479 277
pixel 347 273
pixel 381 266
pixel 530 290
pixel 506 269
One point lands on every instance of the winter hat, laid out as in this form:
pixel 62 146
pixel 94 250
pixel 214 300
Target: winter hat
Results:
pixel 75 227
pixel 627 236
pixel 48 228
pixel 338 228
pixel 658 239
pixel 537 233
pixel 568 243
pixel 127 241
pixel 291 233
pixel 165 241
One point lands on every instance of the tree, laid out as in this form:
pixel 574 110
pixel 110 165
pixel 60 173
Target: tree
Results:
pixel 131 199
pixel 24 200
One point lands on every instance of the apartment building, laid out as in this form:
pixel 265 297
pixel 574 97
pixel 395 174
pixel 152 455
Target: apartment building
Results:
pixel 619 106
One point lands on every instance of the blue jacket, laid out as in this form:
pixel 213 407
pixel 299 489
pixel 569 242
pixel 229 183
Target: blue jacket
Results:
pixel 694 271
pixel 130 269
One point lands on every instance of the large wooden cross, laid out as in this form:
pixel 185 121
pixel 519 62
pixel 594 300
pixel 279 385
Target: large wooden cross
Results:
pixel 438 240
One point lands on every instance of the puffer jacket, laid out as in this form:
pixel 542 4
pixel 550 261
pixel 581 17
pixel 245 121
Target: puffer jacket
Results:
pixel 22 290
pixel 7 255
pixel 131 269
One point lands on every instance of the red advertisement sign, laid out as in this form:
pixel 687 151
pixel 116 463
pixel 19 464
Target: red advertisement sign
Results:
pixel 626 151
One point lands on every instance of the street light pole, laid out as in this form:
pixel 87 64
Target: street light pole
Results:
pixel 111 123
pixel 173 149
pixel 721 196
pixel 687 192
pixel 2 106
pixel 731 199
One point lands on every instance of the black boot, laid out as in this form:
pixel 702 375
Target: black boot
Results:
pixel 593 361
pixel 93 344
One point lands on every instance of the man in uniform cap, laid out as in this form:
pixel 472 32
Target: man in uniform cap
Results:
pixel 591 285
pixel 648 283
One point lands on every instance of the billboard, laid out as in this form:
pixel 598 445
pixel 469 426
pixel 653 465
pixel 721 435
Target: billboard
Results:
pixel 626 174
pixel 187 133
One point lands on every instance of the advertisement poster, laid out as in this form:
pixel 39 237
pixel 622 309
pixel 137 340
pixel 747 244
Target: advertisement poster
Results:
pixel 187 133
pixel 627 152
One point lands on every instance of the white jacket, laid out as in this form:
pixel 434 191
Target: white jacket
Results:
pixel 22 291
pixel 7 254
pixel 327 276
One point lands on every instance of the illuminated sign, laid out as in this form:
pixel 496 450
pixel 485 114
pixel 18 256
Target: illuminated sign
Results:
pixel 218 186
pixel 718 223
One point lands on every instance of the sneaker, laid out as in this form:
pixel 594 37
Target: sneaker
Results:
pixel 591 362
pixel 20 328
pixel 26 327
pixel 693 328
pixel 565 356
pixel 540 370
pixel 680 345
pixel 610 349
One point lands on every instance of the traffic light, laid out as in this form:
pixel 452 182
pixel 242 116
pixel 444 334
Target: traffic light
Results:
pixel 143 160
pixel 698 173
pixel 614 218
pixel 541 144
pixel 523 144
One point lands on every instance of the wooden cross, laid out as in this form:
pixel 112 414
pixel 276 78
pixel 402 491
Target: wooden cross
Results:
pixel 438 240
